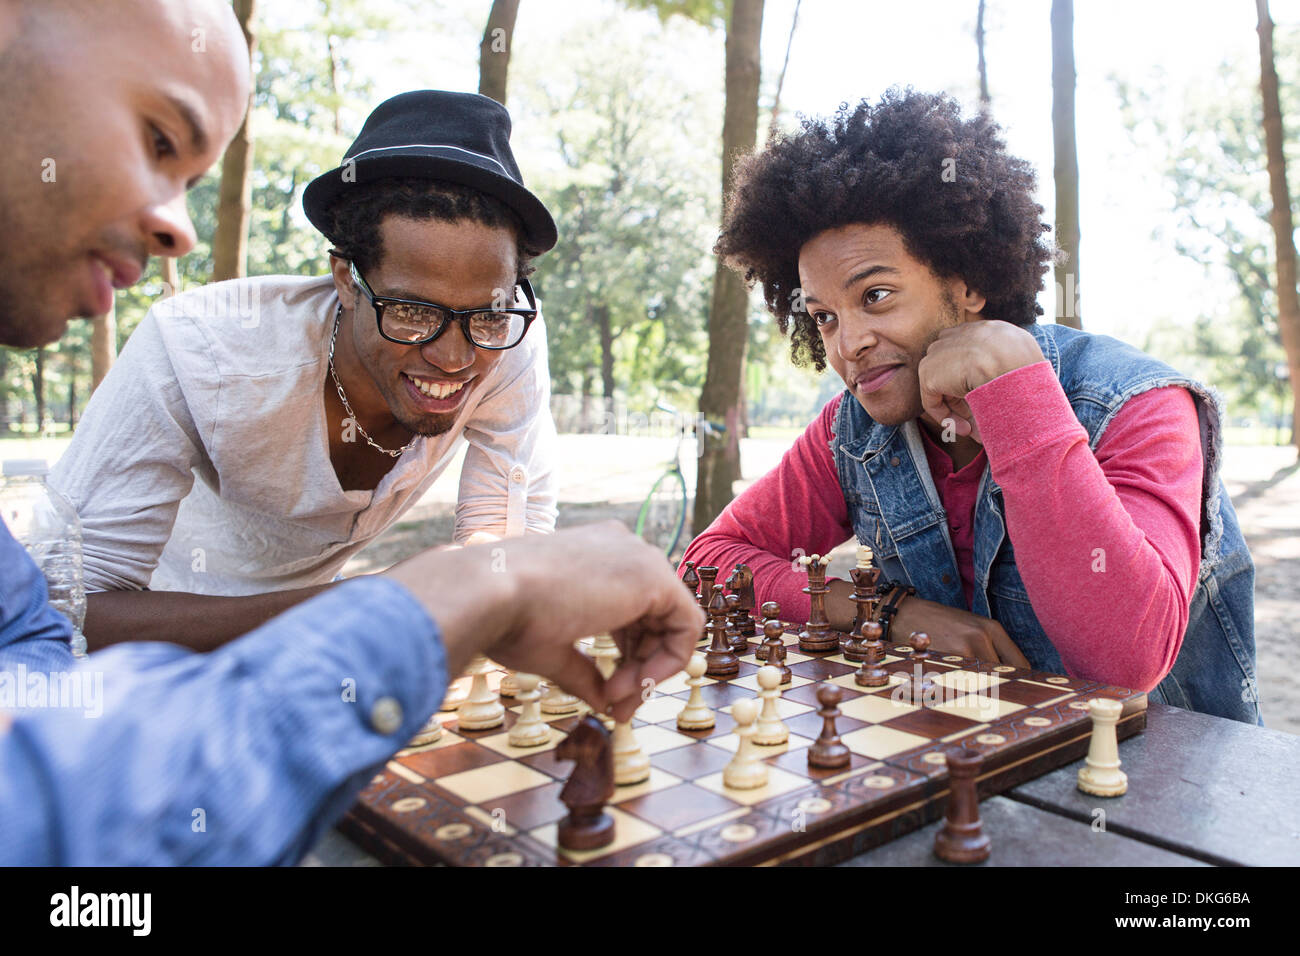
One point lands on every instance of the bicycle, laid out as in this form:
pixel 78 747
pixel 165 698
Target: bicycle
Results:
pixel 663 513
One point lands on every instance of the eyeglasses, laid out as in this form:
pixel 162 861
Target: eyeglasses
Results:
pixel 412 322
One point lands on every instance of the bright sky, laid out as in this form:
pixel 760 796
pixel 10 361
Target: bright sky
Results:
pixel 849 50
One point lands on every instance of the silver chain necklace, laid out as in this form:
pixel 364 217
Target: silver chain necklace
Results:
pixel 348 408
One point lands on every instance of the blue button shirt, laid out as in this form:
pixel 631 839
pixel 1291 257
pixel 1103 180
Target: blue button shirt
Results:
pixel 150 753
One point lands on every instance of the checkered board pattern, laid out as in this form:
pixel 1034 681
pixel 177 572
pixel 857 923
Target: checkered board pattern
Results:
pixel 470 799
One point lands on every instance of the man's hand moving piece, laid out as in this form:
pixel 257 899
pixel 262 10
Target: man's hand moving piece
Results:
pixel 525 602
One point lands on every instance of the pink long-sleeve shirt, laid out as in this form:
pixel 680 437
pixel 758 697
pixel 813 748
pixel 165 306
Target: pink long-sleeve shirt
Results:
pixel 1107 544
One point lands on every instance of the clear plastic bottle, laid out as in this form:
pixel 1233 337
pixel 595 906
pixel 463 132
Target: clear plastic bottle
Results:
pixel 47 525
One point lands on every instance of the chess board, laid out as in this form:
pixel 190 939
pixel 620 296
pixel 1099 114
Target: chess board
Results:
pixel 470 799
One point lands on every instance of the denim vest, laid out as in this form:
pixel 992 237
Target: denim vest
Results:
pixel 896 510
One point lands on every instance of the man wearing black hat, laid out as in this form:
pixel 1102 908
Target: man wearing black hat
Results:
pixel 255 434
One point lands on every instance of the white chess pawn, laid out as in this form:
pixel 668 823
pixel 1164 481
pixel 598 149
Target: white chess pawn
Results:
pixel 631 765
pixel 770 730
pixel 509 685
pixel 529 730
pixel 457 693
pixel 430 732
pixel 482 709
pixel 556 701
pixel 605 654
pixel 1101 776
pixel 696 715
pixel 746 770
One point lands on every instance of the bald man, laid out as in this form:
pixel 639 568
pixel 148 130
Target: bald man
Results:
pixel 107 761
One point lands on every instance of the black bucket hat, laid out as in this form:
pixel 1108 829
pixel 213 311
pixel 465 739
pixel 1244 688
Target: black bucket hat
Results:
pixel 432 134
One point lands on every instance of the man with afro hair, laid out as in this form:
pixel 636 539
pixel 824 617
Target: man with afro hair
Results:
pixel 1036 495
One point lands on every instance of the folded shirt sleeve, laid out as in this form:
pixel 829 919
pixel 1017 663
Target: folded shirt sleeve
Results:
pixel 242 756
pixel 797 508
pixel 1107 543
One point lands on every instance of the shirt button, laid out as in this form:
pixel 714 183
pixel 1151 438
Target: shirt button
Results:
pixel 386 716
pixel 517 476
pixel 947 579
pixel 894 461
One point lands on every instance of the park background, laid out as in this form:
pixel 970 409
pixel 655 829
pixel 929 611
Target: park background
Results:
pixel 1145 121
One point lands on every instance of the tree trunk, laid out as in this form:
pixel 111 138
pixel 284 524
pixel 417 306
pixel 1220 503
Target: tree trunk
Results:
pixel 230 240
pixel 719 461
pixel 103 347
pixel 38 388
pixel 600 315
pixel 171 276
pixel 584 409
pixel 494 51
pixel 1067 164
pixel 985 101
pixel 1288 302
pixel 780 80
pixel 72 398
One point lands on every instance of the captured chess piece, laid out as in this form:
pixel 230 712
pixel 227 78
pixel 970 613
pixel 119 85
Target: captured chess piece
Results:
pixel 827 751
pixel 771 614
pixel 962 839
pixel 430 732
pixel 529 730
pixel 589 788
pixel 817 636
pixel 1101 776
pixel 696 715
pixel 746 770
pixel 482 709
pixel 870 673
pixel 721 659
pixel 770 729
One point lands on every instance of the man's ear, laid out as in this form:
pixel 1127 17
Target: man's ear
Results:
pixel 343 284
pixel 968 300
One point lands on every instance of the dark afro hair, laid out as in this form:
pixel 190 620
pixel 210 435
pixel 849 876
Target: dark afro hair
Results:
pixel 355 218
pixel 886 164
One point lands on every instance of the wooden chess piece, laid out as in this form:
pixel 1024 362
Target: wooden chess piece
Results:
pixel 430 732
pixel 922 681
pixel 777 657
pixel 482 709
pixel 864 592
pixel 827 752
pixel 746 771
pixel 457 694
pixel 605 655
pixel 509 685
pixel 557 701
pixel 589 787
pixel 771 613
pixel 692 580
pixel 871 674
pixel 817 636
pixel 1101 775
pixel 708 577
pixel 770 730
pixel 742 585
pixel 631 765
pixel 529 730
pixel 696 715
pixel 962 839
pixel 736 629
pixel 721 659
